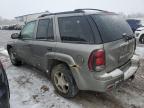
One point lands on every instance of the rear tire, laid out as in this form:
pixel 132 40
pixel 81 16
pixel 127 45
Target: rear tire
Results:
pixel 142 39
pixel 63 81
pixel 14 60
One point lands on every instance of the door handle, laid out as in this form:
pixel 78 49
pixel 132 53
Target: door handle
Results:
pixel 49 49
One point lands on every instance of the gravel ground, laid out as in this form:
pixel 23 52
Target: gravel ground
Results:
pixel 31 89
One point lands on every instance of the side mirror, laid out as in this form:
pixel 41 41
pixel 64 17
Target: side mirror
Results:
pixel 15 36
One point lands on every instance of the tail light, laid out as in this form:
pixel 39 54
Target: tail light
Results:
pixel 96 60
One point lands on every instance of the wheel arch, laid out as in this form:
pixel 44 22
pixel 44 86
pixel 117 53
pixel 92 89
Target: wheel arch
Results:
pixel 54 59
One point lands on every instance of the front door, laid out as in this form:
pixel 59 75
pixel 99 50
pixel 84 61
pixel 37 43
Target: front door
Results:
pixel 23 43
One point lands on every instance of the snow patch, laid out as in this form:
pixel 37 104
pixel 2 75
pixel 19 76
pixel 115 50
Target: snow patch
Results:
pixel 3 51
pixel 140 51
pixel 26 86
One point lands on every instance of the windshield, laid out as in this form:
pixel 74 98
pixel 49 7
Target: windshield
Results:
pixel 112 27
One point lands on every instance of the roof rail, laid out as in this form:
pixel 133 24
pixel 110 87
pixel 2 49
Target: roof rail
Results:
pixel 82 10
pixel 75 11
pixel 67 12
pixel 43 15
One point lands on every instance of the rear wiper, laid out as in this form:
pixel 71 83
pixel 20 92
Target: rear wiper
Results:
pixel 127 37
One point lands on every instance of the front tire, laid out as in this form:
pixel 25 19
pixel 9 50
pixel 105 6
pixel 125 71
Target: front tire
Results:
pixel 63 81
pixel 14 60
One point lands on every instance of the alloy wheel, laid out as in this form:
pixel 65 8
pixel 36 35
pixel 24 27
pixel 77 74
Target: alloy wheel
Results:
pixel 60 82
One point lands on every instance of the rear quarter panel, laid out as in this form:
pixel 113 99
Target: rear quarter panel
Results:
pixel 79 52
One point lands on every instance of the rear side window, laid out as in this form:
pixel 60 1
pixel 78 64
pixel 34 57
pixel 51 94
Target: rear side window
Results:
pixel 75 29
pixel 112 27
pixel 45 29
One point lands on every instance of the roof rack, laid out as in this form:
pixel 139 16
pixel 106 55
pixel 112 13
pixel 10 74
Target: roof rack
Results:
pixel 59 13
pixel 82 10
pixel 43 15
pixel 75 11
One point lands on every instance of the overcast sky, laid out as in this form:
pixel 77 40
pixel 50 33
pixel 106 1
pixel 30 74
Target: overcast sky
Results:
pixel 12 8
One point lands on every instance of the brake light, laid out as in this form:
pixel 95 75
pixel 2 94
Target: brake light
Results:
pixel 100 57
pixel 96 60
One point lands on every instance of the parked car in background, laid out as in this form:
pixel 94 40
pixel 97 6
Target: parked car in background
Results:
pixel 139 34
pixel 4 89
pixel 15 27
pixel 138 28
pixel 5 27
pixel 84 49
pixel 135 23
pixel 12 27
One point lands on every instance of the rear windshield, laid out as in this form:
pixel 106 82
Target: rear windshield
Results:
pixel 112 27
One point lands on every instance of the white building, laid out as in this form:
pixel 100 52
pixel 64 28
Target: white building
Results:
pixel 26 18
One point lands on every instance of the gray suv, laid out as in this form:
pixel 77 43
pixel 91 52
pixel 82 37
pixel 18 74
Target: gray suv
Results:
pixel 84 49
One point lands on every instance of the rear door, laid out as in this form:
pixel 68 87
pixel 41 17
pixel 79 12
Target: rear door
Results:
pixel 43 44
pixel 118 49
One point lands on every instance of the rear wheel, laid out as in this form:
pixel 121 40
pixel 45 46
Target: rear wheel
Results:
pixel 14 60
pixel 142 39
pixel 63 81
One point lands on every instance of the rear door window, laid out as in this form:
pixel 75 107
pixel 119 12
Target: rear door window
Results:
pixel 45 29
pixel 75 29
pixel 112 27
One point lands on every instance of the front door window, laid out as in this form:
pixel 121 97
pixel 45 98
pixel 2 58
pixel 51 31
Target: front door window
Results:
pixel 28 31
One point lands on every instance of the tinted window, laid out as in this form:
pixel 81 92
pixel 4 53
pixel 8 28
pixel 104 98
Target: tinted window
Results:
pixel 75 29
pixel 45 29
pixel 112 27
pixel 28 30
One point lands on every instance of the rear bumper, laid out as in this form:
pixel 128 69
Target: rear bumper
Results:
pixel 114 78
pixel 107 81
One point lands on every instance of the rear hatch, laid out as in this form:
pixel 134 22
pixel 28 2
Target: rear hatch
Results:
pixel 117 37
